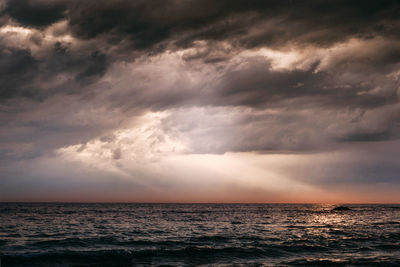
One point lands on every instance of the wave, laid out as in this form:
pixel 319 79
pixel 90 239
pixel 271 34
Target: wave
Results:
pixel 147 234
pixel 351 261
pixel 189 255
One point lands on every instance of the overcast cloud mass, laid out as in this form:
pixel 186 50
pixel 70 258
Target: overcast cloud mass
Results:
pixel 200 101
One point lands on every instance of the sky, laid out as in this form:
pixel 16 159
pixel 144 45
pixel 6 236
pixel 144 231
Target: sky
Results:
pixel 200 101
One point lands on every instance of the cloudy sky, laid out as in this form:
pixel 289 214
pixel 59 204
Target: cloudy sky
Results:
pixel 200 101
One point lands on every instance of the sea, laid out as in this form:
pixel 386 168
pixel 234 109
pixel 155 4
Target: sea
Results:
pixel 133 234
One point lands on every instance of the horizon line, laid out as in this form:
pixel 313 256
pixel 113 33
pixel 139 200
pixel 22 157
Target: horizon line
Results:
pixel 192 203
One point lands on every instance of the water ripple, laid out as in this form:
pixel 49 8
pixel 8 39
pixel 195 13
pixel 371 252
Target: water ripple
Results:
pixel 198 234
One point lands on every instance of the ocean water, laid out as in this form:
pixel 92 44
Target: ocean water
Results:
pixel 61 234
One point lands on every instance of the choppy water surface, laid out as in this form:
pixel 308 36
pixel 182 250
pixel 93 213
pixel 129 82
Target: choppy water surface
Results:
pixel 198 234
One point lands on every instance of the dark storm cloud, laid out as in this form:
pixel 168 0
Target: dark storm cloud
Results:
pixel 17 70
pixel 22 75
pixel 246 23
pixel 42 104
pixel 157 25
pixel 84 65
pixel 106 33
pixel 257 85
pixel 35 13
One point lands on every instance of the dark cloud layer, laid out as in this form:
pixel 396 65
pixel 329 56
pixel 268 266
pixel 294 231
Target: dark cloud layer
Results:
pixel 247 23
pixel 22 75
pixel 17 70
pixel 158 25
pixel 103 34
pixel 35 13
pixel 257 85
